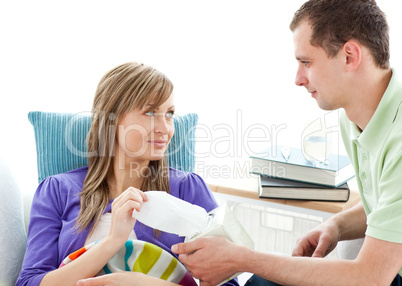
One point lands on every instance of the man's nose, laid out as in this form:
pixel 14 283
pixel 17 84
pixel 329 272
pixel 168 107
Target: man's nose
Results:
pixel 301 78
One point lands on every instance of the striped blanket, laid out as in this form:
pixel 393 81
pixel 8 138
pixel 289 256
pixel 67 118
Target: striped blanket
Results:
pixel 144 257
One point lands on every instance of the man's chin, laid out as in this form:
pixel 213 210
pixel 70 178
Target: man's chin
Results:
pixel 326 106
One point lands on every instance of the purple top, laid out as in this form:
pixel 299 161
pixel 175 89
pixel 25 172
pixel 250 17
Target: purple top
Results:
pixel 55 208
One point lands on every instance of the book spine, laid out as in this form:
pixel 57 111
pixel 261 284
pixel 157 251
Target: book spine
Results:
pixel 295 173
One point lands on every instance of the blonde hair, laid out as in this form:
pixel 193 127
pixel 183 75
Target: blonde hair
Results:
pixel 124 88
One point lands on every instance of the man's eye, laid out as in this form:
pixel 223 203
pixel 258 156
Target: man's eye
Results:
pixel 150 113
pixel 305 63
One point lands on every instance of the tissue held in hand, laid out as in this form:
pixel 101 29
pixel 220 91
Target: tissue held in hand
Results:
pixel 170 214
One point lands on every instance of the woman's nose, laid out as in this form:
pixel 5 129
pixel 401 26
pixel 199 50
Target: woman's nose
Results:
pixel 161 125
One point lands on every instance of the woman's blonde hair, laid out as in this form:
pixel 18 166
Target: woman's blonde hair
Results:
pixel 124 88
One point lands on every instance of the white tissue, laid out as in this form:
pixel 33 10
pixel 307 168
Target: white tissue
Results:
pixel 170 214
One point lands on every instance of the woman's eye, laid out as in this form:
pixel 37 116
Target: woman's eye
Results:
pixel 169 114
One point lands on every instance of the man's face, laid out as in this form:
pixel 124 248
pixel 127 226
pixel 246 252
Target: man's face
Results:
pixel 319 74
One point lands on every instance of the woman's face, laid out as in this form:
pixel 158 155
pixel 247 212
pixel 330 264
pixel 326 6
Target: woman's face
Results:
pixel 144 134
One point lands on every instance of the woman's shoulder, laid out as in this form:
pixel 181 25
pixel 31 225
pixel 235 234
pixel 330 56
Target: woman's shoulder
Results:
pixel 73 175
pixel 176 175
pixel 192 188
pixel 186 181
pixel 71 181
pixel 59 194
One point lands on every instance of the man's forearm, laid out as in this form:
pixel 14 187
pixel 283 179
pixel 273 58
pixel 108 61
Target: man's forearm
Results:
pixel 312 271
pixel 352 223
pixel 301 270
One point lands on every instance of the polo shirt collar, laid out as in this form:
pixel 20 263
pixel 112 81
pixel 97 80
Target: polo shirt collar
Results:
pixel 384 115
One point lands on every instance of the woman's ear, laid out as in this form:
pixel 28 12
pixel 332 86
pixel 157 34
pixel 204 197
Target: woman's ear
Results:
pixel 353 53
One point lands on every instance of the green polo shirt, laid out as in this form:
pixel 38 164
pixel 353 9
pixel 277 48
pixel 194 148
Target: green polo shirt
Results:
pixel 376 154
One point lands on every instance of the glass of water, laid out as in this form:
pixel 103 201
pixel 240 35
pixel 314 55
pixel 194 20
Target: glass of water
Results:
pixel 317 148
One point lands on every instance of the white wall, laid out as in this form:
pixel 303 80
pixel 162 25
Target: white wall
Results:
pixel 231 62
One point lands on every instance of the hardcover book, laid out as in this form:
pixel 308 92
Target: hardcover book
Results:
pixel 271 162
pixel 275 188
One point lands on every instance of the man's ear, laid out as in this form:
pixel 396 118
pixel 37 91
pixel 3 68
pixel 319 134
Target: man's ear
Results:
pixel 353 53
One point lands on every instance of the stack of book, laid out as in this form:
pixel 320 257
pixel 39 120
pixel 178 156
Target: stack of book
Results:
pixel 289 175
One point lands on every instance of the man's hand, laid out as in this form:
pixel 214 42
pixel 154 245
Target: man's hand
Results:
pixel 318 242
pixel 210 259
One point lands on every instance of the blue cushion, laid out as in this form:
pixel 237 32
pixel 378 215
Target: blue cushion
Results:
pixel 61 146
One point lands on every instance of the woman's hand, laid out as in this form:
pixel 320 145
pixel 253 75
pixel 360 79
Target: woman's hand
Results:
pixel 89 263
pixel 123 278
pixel 122 211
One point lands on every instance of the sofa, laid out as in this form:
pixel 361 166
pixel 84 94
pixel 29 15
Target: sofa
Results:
pixel 12 224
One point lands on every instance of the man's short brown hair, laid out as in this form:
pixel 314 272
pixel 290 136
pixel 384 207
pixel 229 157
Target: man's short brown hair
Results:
pixel 334 22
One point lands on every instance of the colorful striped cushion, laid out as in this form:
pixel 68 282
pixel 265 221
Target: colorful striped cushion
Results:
pixel 144 257
pixel 60 142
